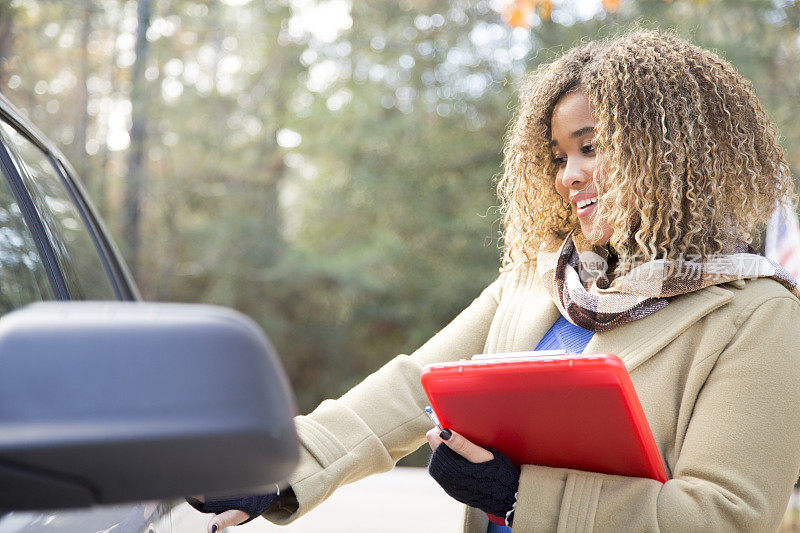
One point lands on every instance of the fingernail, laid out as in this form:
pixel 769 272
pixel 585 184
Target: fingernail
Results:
pixel 214 528
pixel 445 434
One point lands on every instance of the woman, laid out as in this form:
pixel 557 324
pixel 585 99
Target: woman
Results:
pixel 657 156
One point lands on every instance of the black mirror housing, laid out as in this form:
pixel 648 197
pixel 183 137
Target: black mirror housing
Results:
pixel 105 402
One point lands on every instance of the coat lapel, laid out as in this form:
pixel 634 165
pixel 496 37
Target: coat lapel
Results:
pixel 541 314
pixel 634 342
pixel 637 341
pixel 525 314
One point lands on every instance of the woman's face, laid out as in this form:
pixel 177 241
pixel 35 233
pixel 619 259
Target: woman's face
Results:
pixel 572 127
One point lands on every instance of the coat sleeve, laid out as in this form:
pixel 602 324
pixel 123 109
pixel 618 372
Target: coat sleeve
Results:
pixel 738 462
pixel 373 425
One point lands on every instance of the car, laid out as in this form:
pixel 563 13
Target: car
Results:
pixel 112 408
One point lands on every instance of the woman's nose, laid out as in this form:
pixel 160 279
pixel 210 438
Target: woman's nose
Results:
pixel 576 175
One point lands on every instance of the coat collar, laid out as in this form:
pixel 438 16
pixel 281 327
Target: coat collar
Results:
pixel 637 341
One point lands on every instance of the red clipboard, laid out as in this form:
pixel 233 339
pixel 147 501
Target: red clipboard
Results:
pixel 570 411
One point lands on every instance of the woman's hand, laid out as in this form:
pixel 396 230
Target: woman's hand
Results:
pixel 233 517
pixel 468 450
pixel 479 477
pixel 233 511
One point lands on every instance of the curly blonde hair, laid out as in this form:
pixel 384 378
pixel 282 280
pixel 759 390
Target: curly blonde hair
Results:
pixel 690 161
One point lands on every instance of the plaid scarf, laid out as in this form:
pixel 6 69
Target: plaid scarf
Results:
pixel 578 285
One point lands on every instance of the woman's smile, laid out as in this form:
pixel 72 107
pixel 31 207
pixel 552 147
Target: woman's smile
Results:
pixel 584 205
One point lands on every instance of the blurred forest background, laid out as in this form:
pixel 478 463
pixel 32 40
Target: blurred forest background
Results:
pixel 327 166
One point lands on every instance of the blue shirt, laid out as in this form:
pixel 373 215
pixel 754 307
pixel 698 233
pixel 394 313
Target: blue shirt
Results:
pixel 563 335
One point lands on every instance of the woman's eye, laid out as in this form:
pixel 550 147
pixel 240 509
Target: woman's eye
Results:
pixel 587 149
pixel 559 160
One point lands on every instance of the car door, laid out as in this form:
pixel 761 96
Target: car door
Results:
pixel 52 246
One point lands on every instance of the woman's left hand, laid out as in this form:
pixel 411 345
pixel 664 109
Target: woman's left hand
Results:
pixel 466 449
pixel 481 478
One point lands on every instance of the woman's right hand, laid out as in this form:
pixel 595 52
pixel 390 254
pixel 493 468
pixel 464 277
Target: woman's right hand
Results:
pixel 232 517
pixel 233 511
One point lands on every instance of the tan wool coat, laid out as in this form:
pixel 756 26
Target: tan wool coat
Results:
pixel 717 372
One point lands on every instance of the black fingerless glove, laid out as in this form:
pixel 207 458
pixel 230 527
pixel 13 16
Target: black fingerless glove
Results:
pixel 252 505
pixel 489 486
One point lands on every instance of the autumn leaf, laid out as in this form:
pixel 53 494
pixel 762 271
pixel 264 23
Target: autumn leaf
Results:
pixel 517 14
pixel 544 9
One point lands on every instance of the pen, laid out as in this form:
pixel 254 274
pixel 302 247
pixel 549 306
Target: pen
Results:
pixel 432 416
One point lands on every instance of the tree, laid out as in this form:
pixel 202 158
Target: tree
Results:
pixel 335 183
pixel 7 12
pixel 135 178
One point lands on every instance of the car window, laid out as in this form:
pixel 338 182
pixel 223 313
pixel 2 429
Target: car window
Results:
pixel 23 277
pixel 74 247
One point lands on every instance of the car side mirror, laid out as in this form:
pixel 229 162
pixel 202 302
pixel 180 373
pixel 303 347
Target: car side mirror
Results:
pixel 105 402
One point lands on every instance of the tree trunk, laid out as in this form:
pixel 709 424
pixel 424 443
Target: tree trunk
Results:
pixel 134 190
pixel 82 114
pixel 6 39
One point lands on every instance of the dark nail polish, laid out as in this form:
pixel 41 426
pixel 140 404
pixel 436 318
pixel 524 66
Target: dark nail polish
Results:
pixel 214 528
pixel 445 434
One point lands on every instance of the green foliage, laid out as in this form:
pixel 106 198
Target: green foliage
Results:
pixel 339 189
